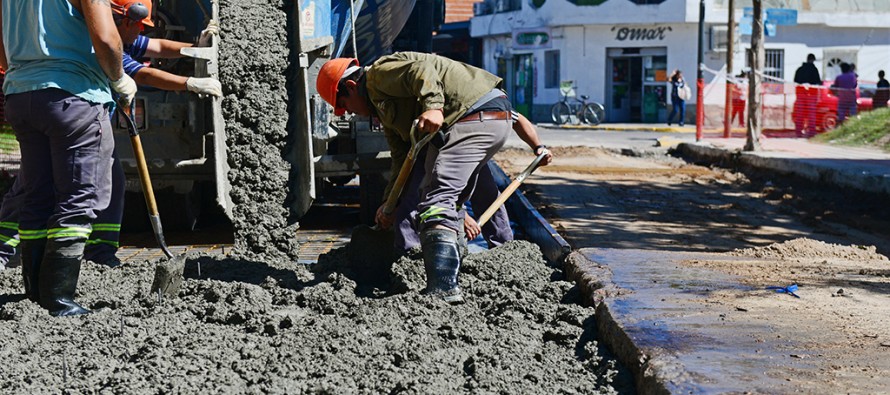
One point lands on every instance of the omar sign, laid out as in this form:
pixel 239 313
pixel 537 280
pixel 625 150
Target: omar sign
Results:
pixel 641 33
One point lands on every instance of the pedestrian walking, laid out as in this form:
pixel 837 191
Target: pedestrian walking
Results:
pixel 60 57
pixel 462 104
pixel 679 94
pixel 882 93
pixel 806 89
pixel 845 89
pixel 739 102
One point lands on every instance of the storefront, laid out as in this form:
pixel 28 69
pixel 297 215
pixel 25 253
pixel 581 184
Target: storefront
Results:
pixel 636 91
pixel 621 53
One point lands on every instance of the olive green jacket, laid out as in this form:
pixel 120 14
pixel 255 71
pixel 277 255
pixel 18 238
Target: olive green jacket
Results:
pixel 403 85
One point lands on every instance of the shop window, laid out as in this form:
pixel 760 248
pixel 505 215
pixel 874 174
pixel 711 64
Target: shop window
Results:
pixel 551 69
pixel 773 62
pixel 656 68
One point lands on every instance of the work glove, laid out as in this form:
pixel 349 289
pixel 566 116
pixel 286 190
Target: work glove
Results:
pixel 204 86
pixel 206 37
pixel 126 90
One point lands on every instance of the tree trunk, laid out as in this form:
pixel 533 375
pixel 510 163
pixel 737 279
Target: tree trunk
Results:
pixel 755 99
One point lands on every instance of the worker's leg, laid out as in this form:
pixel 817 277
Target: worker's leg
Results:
pixel 35 178
pixel 451 171
pixel 406 233
pixel 77 136
pixel 497 230
pixel 105 239
pixel 9 222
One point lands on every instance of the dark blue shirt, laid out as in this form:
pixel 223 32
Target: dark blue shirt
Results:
pixel 134 51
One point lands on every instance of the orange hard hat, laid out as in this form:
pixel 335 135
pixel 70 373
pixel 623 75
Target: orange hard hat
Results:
pixel 329 77
pixel 134 10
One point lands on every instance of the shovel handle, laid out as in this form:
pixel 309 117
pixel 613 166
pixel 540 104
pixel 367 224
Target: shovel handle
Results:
pixel 405 170
pixel 141 166
pixel 508 191
pixel 145 179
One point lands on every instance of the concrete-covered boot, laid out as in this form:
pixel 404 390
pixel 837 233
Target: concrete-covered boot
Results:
pixel 32 256
pixel 58 278
pixel 441 259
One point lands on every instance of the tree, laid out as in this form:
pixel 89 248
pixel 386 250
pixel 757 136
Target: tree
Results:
pixel 755 99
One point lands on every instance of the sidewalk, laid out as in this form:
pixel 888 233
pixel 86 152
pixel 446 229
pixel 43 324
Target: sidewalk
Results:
pixel 691 328
pixel 863 169
pixel 644 127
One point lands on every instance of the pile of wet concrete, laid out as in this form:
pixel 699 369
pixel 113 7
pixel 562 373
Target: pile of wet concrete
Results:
pixel 255 321
pixel 279 327
pixel 255 66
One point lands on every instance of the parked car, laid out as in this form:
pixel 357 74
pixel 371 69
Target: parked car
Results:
pixel 826 107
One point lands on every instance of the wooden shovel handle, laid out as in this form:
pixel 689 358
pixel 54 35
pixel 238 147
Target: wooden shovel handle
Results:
pixel 508 191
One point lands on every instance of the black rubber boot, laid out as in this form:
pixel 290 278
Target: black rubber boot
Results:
pixel 58 278
pixel 441 259
pixel 32 256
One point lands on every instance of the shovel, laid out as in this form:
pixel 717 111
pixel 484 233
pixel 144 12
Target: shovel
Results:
pixel 505 194
pixel 168 274
pixel 370 244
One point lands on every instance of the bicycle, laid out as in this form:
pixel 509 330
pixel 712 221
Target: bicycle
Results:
pixel 576 110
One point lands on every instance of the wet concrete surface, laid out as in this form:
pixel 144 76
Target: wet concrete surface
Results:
pixel 659 326
pixel 687 329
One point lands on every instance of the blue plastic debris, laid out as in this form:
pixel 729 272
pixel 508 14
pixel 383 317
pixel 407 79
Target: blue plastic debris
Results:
pixel 786 290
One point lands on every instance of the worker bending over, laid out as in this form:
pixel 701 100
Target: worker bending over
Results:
pixel 497 230
pixel 469 112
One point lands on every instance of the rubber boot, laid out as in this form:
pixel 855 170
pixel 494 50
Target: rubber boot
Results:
pixel 441 259
pixel 32 256
pixel 58 277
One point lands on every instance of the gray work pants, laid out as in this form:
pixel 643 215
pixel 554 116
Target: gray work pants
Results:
pixel 105 237
pixel 451 171
pixel 66 144
pixel 496 231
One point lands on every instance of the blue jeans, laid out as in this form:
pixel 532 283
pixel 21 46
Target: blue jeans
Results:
pixel 679 106
pixel 845 108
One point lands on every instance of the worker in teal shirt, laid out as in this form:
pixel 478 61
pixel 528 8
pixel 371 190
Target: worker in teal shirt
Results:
pixel 60 57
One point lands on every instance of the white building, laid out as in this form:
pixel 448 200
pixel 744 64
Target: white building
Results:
pixel 621 52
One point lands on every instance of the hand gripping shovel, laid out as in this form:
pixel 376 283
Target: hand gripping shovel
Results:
pixel 168 274
pixel 372 245
pixel 505 194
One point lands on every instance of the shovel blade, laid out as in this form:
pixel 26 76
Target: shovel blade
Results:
pixel 370 247
pixel 168 277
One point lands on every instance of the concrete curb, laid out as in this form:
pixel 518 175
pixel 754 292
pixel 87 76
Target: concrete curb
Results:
pixel 839 173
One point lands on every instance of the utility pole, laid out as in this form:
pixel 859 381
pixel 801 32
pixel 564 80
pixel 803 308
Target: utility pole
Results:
pixel 755 109
pixel 700 78
pixel 730 39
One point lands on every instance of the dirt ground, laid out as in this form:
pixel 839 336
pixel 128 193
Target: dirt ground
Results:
pixel 827 242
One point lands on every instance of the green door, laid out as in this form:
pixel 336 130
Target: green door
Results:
pixel 523 84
